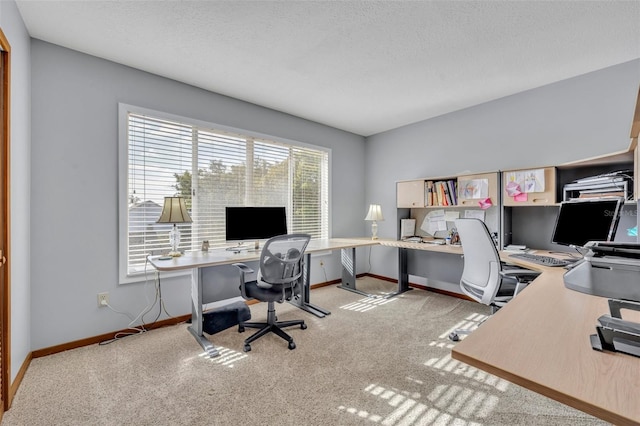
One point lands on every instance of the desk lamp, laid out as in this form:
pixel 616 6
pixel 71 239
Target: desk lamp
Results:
pixel 375 214
pixel 174 211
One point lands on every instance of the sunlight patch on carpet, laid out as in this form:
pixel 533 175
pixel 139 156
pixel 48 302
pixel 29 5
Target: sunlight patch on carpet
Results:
pixel 367 304
pixel 409 410
pixel 450 365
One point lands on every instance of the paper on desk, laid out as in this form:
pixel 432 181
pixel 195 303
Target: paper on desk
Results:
pixel 450 216
pixel 434 221
pixel 474 214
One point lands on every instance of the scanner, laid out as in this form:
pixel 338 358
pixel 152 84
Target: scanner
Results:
pixel 609 269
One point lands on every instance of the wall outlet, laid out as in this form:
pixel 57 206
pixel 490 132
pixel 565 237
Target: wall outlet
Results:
pixel 103 300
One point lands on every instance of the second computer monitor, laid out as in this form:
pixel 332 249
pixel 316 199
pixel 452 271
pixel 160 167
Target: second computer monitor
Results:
pixel 581 221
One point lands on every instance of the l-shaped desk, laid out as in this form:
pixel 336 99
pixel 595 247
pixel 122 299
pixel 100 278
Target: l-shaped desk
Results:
pixel 539 340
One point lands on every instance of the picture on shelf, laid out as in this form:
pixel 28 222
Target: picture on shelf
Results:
pixel 473 188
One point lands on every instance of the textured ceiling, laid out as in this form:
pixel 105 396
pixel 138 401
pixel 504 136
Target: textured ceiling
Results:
pixel 361 66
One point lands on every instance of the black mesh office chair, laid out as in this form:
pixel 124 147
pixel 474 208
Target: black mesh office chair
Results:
pixel 279 279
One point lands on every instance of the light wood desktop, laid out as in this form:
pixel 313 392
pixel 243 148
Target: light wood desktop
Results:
pixel 540 340
pixel 196 261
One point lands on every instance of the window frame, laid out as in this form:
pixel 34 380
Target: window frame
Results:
pixel 123 176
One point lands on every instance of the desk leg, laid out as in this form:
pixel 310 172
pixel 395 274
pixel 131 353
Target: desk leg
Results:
pixel 403 275
pixel 196 314
pixel 303 301
pixel 348 257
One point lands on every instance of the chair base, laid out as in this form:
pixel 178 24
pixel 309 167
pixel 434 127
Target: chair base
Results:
pixel 454 336
pixel 271 326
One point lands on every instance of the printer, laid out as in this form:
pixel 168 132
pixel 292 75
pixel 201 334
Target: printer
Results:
pixel 609 269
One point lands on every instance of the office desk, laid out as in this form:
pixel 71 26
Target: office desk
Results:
pixel 540 340
pixel 197 260
pixel 403 249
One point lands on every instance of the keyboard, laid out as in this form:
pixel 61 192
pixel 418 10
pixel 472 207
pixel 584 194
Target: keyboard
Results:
pixel 543 260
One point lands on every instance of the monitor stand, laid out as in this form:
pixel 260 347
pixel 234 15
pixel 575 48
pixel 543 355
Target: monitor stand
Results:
pixel 241 247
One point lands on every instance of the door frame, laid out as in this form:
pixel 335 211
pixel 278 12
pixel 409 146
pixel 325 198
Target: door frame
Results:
pixel 5 175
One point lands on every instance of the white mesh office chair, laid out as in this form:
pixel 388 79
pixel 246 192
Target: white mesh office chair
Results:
pixel 484 277
pixel 279 279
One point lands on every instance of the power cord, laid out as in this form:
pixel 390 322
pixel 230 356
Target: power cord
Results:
pixel 324 271
pixel 137 329
pixel 158 299
pixel 369 260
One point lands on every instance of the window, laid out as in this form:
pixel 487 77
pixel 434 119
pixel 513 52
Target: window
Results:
pixel 211 168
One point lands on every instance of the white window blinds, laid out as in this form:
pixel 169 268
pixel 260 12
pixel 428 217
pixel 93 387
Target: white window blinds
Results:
pixel 211 170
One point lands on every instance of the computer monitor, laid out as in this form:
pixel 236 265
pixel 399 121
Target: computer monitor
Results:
pixel 581 221
pixel 254 223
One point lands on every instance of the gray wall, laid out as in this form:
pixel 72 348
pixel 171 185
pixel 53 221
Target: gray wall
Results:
pixel 20 139
pixel 74 199
pixel 573 119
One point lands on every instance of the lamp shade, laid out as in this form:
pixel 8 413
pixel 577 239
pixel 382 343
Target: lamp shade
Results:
pixel 375 212
pixel 174 211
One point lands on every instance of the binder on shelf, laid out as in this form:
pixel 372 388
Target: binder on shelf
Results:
pixel 430 199
pixel 451 184
pixel 439 194
pixel 445 191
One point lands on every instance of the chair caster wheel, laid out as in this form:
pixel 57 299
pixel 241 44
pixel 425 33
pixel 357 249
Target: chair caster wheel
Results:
pixel 292 345
pixel 303 326
pixel 240 329
pixel 247 348
pixel 454 337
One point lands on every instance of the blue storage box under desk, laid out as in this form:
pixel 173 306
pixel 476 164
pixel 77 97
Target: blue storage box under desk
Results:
pixel 224 317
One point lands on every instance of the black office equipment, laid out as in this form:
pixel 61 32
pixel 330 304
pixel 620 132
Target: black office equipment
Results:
pixel 616 334
pixel 608 270
pixel 224 317
pixel 581 221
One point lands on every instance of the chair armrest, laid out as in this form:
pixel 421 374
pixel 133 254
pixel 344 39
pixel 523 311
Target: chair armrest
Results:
pixel 519 272
pixel 244 270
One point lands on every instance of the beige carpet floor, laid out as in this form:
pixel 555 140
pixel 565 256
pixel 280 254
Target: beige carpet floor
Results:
pixel 372 361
